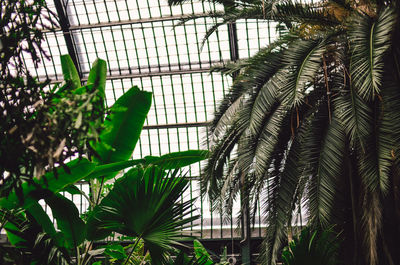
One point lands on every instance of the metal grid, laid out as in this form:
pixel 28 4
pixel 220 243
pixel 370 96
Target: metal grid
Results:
pixel 143 46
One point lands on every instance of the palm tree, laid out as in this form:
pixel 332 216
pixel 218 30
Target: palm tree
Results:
pixel 313 118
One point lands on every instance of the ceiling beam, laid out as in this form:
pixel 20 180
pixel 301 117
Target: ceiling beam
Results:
pixel 66 29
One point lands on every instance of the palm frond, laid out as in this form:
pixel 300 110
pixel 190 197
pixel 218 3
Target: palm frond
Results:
pixel 302 62
pixel 369 42
pixel 144 204
pixel 303 13
pixel 213 173
pixel 257 156
pixel 323 187
pixel 223 2
pixel 388 129
pixel 355 115
pixel 225 115
pixel 283 188
pixel 267 96
pixel 249 83
pixel 34 245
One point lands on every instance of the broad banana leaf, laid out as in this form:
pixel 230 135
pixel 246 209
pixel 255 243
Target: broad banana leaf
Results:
pixel 68 220
pixel 69 71
pixel 167 161
pixel 77 170
pixel 177 159
pixel 122 128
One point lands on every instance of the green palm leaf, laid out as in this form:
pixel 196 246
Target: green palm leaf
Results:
pixel 212 178
pixel 369 42
pixel 268 94
pixel 388 131
pixel 323 187
pixel 284 185
pixel 34 245
pixel 144 204
pixel 303 60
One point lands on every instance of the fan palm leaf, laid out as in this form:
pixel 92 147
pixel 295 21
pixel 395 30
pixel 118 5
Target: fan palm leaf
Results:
pixel 144 204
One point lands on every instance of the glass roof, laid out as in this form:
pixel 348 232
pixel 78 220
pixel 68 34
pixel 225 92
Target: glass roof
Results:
pixel 144 45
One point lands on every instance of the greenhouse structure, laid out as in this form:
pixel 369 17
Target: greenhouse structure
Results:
pixel 200 132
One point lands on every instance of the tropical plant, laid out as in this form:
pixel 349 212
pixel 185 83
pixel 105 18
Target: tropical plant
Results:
pixel 313 119
pixel 202 254
pixel 39 127
pixel 312 248
pixel 109 154
pixel 116 253
pixel 144 204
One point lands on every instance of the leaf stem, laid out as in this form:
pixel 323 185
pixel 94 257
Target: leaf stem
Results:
pixel 133 249
pixel 99 192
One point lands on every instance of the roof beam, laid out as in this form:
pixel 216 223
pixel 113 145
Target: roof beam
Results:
pixel 128 22
pixel 66 29
pixel 135 21
pixel 177 125
pixel 137 74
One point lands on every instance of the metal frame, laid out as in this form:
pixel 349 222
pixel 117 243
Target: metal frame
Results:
pixel 66 29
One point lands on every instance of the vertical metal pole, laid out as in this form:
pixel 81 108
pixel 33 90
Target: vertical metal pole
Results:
pixel 65 27
pixel 245 243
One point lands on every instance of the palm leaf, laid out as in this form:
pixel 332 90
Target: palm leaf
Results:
pixel 388 136
pixel 302 60
pixel 268 94
pixel 324 188
pixel 143 204
pixel 34 245
pixel 281 193
pixel 212 176
pixel 369 42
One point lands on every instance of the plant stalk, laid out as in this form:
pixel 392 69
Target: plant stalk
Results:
pixel 133 249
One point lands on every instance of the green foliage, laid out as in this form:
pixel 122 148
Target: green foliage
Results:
pixel 310 120
pixel 42 127
pixel 203 257
pixel 201 252
pixel 312 248
pixel 68 220
pixel 145 199
pixel 122 127
pixel 176 159
pixel 50 182
pixel 19 91
pixel 117 254
pixel 32 244
pixel 144 204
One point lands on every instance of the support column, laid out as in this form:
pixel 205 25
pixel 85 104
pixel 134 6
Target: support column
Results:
pixel 65 27
pixel 245 242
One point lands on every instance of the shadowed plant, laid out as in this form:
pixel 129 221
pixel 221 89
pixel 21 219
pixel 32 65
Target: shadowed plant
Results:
pixel 313 119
